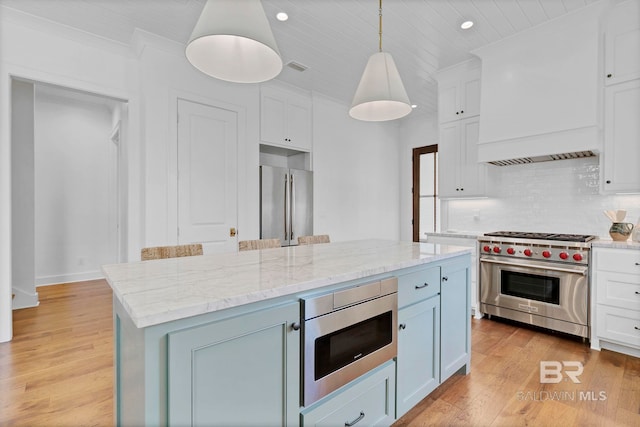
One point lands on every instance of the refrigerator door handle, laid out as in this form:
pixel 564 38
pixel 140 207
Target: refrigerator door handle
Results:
pixel 293 205
pixel 286 200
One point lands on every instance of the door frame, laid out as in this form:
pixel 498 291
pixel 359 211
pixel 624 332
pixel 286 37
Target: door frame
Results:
pixel 415 189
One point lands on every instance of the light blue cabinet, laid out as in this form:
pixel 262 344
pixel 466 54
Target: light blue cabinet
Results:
pixel 434 337
pixel 218 370
pixel 368 401
pixel 418 353
pixel 455 320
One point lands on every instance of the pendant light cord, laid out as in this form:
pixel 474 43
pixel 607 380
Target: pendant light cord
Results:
pixel 380 27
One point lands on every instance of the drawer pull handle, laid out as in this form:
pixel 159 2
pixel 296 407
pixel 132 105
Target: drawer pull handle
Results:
pixel 354 422
pixel 636 328
pixel 637 293
pixel 422 286
pixel 445 278
pixel 637 263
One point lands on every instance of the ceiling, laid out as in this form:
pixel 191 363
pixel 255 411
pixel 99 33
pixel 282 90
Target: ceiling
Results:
pixel 333 38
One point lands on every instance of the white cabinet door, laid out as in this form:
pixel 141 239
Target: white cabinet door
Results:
pixel 207 176
pixel 458 93
pixel 621 157
pixel 285 119
pixel 622 43
pixel 459 173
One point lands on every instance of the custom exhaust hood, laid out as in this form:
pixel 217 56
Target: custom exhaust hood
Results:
pixel 540 92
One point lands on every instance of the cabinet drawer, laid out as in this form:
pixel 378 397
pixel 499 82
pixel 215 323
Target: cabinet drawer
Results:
pixel 417 286
pixel 618 324
pixel 619 290
pixel 618 260
pixel 369 402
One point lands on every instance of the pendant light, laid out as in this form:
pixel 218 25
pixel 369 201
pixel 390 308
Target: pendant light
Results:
pixel 380 95
pixel 232 41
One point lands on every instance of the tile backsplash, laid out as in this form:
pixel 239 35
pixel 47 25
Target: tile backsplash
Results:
pixel 557 197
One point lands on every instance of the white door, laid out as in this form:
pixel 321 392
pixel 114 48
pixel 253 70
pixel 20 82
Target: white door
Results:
pixel 207 176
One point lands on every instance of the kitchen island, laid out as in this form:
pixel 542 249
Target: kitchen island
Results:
pixel 214 339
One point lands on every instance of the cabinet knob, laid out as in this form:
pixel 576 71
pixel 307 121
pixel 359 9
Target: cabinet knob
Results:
pixel 635 327
pixel 445 278
pixel 462 189
pixel 608 181
pixel 609 76
pixel 295 326
pixel 403 326
pixel 461 111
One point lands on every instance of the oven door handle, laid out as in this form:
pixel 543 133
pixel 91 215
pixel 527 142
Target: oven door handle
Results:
pixel 582 270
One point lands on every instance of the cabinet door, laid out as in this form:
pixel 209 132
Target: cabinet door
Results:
pixel 459 173
pixel 621 135
pixel 369 401
pixel 470 95
pixel 418 353
pixel 472 173
pixel 240 371
pixel 272 117
pixel 299 123
pixel 448 159
pixel 622 43
pixel 455 319
pixel 448 101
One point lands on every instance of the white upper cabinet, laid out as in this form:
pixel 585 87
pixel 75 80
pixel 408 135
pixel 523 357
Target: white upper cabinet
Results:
pixel 285 118
pixel 620 171
pixel 622 43
pixel 459 173
pixel 459 92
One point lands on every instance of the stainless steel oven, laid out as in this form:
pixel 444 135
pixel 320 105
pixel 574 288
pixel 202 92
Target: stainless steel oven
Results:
pixel 543 283
pixel 346 334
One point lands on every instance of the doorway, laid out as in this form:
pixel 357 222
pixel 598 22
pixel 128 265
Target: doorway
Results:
pixel 67 192
pixel 426 204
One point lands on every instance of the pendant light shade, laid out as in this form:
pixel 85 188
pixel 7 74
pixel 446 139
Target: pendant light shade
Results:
pixel 232 41
pixel 380 95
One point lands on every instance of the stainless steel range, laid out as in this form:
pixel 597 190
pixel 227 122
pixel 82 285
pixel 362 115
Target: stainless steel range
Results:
pixel 537 278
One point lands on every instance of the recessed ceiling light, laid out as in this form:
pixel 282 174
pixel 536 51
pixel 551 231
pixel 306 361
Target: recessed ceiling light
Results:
pixel 466 25
pixel 281 16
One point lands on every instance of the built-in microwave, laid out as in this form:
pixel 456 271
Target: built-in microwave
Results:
pixel 346 334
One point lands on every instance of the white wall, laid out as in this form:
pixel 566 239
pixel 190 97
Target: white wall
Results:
pixel 23 197
pixel 41 51
pixel 356 169
pixel 75 182
pixel 416 131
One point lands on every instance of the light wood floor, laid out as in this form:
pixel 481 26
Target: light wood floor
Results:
pixel 58 370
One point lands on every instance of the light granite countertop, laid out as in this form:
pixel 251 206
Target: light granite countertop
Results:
pixel 159 291
pixel 606 243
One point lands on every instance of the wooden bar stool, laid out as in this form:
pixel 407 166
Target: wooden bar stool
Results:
pixel 249 245
pixel 162 252
pixel 310 240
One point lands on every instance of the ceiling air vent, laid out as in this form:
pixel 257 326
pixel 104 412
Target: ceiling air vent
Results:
pixel 297 66
pixel 537 159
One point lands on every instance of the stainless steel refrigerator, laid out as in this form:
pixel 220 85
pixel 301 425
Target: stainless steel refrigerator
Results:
pixel 286 204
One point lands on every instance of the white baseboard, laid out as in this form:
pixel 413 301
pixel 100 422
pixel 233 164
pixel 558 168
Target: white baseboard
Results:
pixel 69 278
pixel 24 299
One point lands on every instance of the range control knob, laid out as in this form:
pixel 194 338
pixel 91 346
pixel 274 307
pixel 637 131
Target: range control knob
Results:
pixel 577 257
pixel 527 252
pixel 496 249
pixel 487 248
pixel 546 254
pixel 511 251
pixel 563 255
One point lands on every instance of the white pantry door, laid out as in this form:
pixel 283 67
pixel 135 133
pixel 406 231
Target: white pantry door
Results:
pixel 207 176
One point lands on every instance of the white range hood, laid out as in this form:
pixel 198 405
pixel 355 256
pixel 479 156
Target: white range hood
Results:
pixel 540 92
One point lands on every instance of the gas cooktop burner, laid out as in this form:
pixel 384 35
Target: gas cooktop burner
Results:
pixel 542 236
